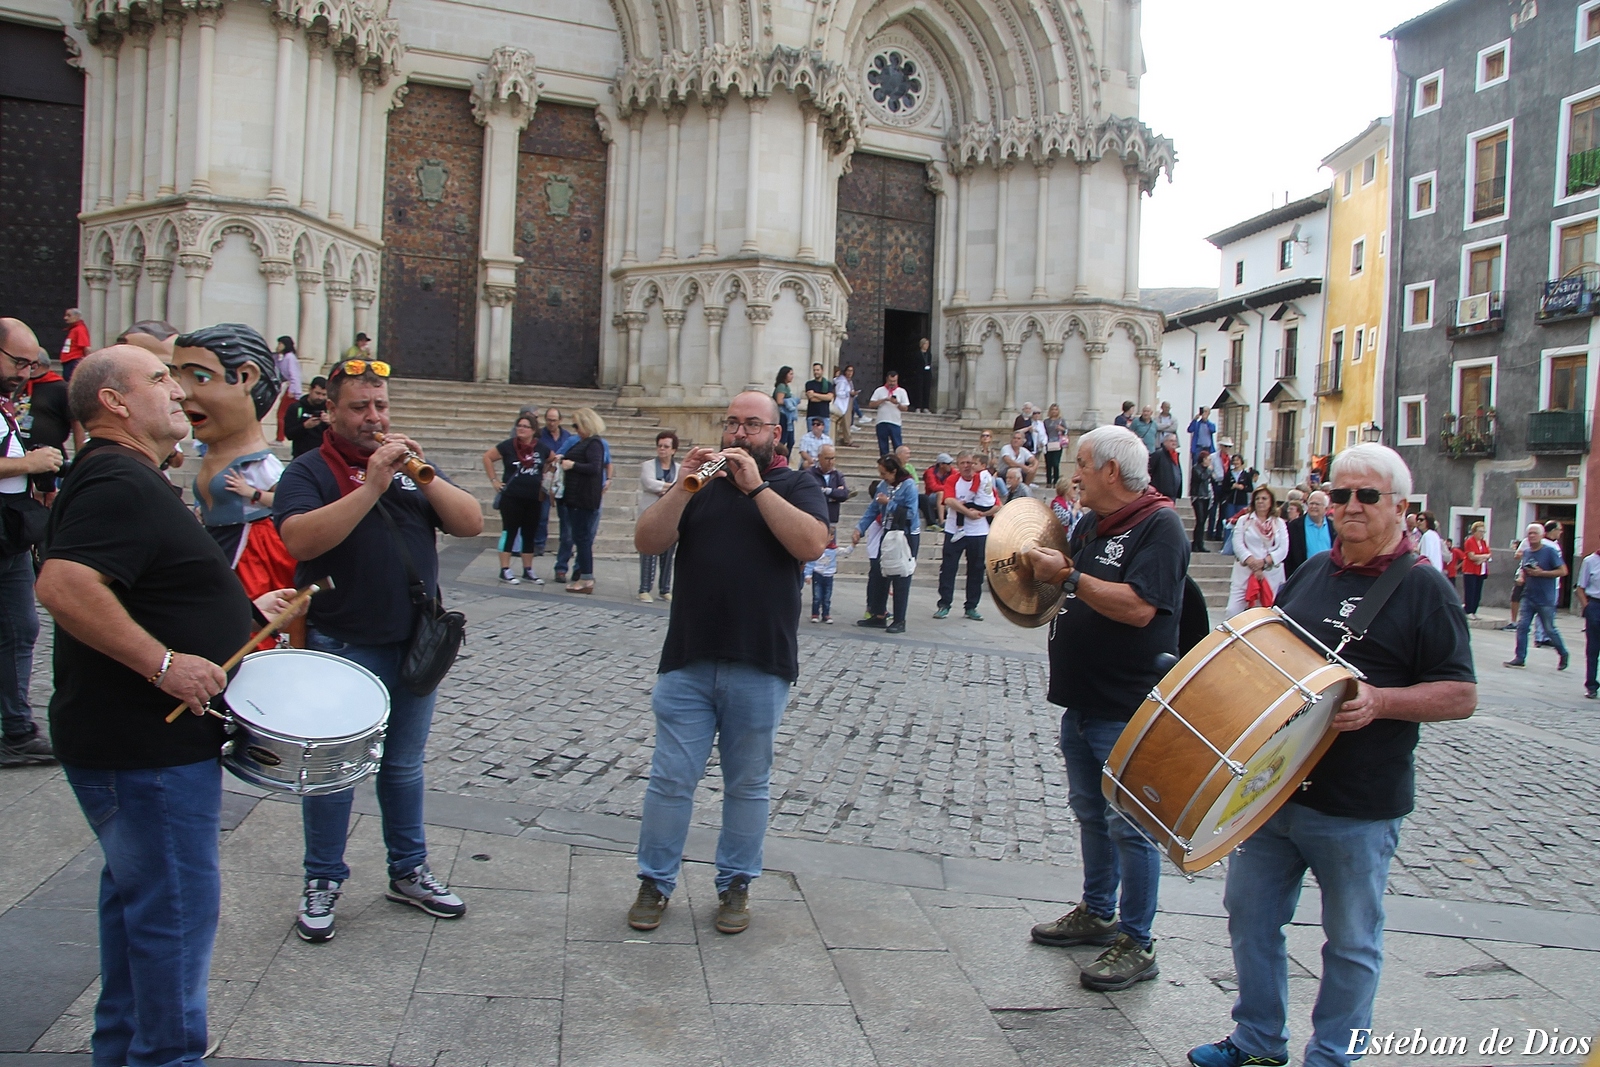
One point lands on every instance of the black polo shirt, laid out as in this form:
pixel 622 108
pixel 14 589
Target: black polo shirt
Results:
pixel 1419 636
pixel 737 591
pixel 1104 669
pixel 819 409
pixel 118 516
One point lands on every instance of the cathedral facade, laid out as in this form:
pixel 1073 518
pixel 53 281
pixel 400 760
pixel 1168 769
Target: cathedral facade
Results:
pixel 671 197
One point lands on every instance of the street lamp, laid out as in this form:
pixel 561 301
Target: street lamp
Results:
pixel 1372 433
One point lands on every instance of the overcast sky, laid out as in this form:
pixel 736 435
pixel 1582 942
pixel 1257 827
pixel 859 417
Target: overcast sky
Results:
pixel 1253 93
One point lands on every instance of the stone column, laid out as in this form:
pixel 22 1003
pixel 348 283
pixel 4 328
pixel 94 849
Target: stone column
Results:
pixel 1130 259
pixel 344 64
pixel 963 215
pixel 504 114
pixel 362 300
pixel 205 64
pixel 1001 203
pixel 1080 271
pixel 277 272
pixel 1096 351
pixel 139 119
pixel 1149 367
pixel 99 279
pixel 752 182
pixel 715 317
pixel 1041 231
pixel 808 194
pixel 630 231
pixel 370 80
pixel 109 45
pixel 634 320
pixel 305 335
pixel 969 380
pixel 759 315
pixel 313 162
pixel 674 320
pixel 669 213
pixel 1052 372
pixel 338 296
pixel 172 22
pixel 1012 353
pixel 500 299
pixel 127 288
pixel 278 189
pixel 159 272
pixel 708 227
pixel 820 322
pixel 194 271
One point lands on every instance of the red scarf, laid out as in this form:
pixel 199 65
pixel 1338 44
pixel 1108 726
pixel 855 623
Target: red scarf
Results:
pixel 347 462
pixel 1373 567
pixel 46 377
pixel 1132 513
pixel 524 451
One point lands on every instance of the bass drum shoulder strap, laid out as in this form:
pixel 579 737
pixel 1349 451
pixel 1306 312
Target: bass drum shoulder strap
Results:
pixel 1366 612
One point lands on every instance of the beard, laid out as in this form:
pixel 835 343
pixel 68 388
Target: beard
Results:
pixel 11 383
pixel 762 454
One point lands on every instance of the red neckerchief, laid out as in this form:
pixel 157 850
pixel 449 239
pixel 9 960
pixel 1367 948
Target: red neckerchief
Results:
pixel 347 462
pixel 524 454
pixel 47 376
pixel 1132 513
pixel 1373 567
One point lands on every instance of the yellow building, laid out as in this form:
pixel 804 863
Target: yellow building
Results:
pixel 1357 275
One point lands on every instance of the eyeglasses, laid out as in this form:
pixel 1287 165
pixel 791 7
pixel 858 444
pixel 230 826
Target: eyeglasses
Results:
pixel 751 427
pixel 355 368
pixel 22 361
pixel 1366 495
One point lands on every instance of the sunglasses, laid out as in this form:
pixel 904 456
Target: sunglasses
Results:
pixel 1341 497
pixel 354 368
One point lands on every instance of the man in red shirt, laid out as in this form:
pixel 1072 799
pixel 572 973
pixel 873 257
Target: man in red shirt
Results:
pixel 76 346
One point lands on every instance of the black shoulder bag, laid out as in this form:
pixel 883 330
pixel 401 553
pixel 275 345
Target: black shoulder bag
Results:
pixel 436 634
pixel 22 518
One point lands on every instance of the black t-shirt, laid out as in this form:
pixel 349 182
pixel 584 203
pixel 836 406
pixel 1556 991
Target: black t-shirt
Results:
pixel 49 422
pixel 117 515
pixel 304 438
pixel 738 588
pixel 369 603
pixel 1419 636
pixel 1104 669
pixel 522 480
pixel 819 409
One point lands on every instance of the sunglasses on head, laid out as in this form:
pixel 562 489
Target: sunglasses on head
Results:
pixel 355 368
pixel 1365 495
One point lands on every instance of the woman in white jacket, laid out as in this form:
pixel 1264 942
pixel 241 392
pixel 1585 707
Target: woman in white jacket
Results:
pixel 1260 545
pixel 656 477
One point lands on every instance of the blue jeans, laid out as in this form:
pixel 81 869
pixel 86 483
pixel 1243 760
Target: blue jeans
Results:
pixel 160 895
pixel 738 707
pixel 821 595
pixel 19 629
pixel 1546 614
pixel 1113 851
pixel 327 818
pixel 889 437
pixel 564 548
pixel 1350 858
pixel 1591 644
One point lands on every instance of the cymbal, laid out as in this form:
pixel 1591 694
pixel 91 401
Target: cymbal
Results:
pixel 1023 524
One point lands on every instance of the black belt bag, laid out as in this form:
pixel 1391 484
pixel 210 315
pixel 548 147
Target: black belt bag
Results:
pixel 436 635
pixel 22 523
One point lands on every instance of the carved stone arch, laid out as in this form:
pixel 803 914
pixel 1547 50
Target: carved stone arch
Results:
pixel 248 228
pixel 1138 332
pixel 645 293
pixel 1076 324
pixel 165 242
pixel 102 251
pixel 951 32
pixel 804 288
pixel 133 244
pixel 362 274
pixel 730 285
pixel 333 262
pixel 305 251
pixel 1026 326
pixel 987 327
pixel 684 291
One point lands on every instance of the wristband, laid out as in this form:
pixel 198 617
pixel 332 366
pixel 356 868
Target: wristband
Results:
pixel 758 490
pixel 166 664
pixel 256 497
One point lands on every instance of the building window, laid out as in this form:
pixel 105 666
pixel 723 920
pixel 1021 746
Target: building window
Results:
pixel 1286 253
pixel 1238 272
pixel 1383 243
pixel 1361 341
pixel 1289 358
pixel 1350 437
pixel 1336 346
pixel 1419 306
pixel 1325 439
pixel 1474 389
pixel 1202 359
pixel 1233 425
pixel 1494 65
pixel 1349 181
pixel 1422 195
pixel 1569 377
pixel 1235 368
pixel 1489 173
pixel 1372 339
pixel 1484 268
pixel 1430 93
pixel 1588 25
pixel 1413 420
pixel 1358 256
pixel 1579 146
pixel 1576 252
pixel 1369 169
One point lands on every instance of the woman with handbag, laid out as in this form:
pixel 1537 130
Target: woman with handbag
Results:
pixel 517 491
pixel 584 467
pixel 894 504
pixel 1260 545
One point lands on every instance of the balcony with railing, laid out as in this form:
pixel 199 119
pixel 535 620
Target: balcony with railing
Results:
pixel 1286 362
pixel 1583 171
pixel 1330 378
pixel 1558 433
pixel 1283 455
pixel 1233 370
pixel 1469 437
pixel 1480 313
pixel 1572 297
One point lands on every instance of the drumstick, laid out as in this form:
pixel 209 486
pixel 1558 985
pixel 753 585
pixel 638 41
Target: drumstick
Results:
pixel 276 623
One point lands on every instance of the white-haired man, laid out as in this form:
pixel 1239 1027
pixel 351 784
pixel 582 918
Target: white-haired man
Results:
pixel 1124 579
pixel 1344 824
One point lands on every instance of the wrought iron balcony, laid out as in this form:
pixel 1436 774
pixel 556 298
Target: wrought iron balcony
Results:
pixel 1572 297
pixel 1233 371
pixel 1469 437
pixel 1330 377
pixel 1286 361
pixel 1283 455
pixel 1478 314
pixel 1558 432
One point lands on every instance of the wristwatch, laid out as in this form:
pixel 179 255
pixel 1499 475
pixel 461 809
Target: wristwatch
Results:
pixel 757 491
pixel 1069 585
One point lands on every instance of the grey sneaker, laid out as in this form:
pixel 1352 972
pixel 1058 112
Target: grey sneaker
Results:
pixel 1120 966
pixel 733 908
pixel 1080 926
pixel 28 750
pixel 648 906
pixel 423 889
pixel 316 910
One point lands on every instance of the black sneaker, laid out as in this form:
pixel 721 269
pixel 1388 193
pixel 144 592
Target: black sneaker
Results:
pixel 316 910
pixel 875 622
pixel 423 889
pixel 895 627
pixel 26 751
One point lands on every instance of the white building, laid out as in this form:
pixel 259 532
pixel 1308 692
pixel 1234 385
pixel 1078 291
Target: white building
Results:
pixel 1252 355
pixel 671 197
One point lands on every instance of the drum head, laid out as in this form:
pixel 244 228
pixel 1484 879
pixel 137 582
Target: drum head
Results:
pixel 300 693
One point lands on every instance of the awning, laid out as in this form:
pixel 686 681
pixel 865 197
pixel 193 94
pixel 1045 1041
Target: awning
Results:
pixel 1231 397
pixel 1281 391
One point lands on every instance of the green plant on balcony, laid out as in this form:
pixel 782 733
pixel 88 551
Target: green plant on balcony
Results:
pixel 1583 171
pixel 1469 435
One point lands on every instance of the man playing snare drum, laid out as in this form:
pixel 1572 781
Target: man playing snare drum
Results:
pixel 1344 822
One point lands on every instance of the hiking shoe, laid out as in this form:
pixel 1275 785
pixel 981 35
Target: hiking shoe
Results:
pixel 972 613
pixel 1226 1054
pixel 733 908
pixel 316 910
pixel 1513 663
pixel 27 750
pixel 875 622
pixel 529 576
pixel 942 612
pixel 1563 664
pixel 1080 926
pixel 896 627
pixel 648 906
pixel 423 889
pixel 508 577
pixel 1120 966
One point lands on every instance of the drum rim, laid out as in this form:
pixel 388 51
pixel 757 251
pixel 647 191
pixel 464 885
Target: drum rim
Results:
pixel 315 742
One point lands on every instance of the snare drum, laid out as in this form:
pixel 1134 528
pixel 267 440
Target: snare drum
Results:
pixel 1227 736
pixel 307 722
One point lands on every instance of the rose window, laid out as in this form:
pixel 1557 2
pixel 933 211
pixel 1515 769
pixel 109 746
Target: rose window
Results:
pixel 896 83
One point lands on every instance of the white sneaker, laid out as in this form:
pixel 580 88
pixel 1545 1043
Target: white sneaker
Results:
pixel 316 910
pixel 423 889
pixel 646 597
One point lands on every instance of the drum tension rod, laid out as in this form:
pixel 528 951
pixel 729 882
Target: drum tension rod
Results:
pixel 1235 768
pixel 1172 835
pixel 1293 681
